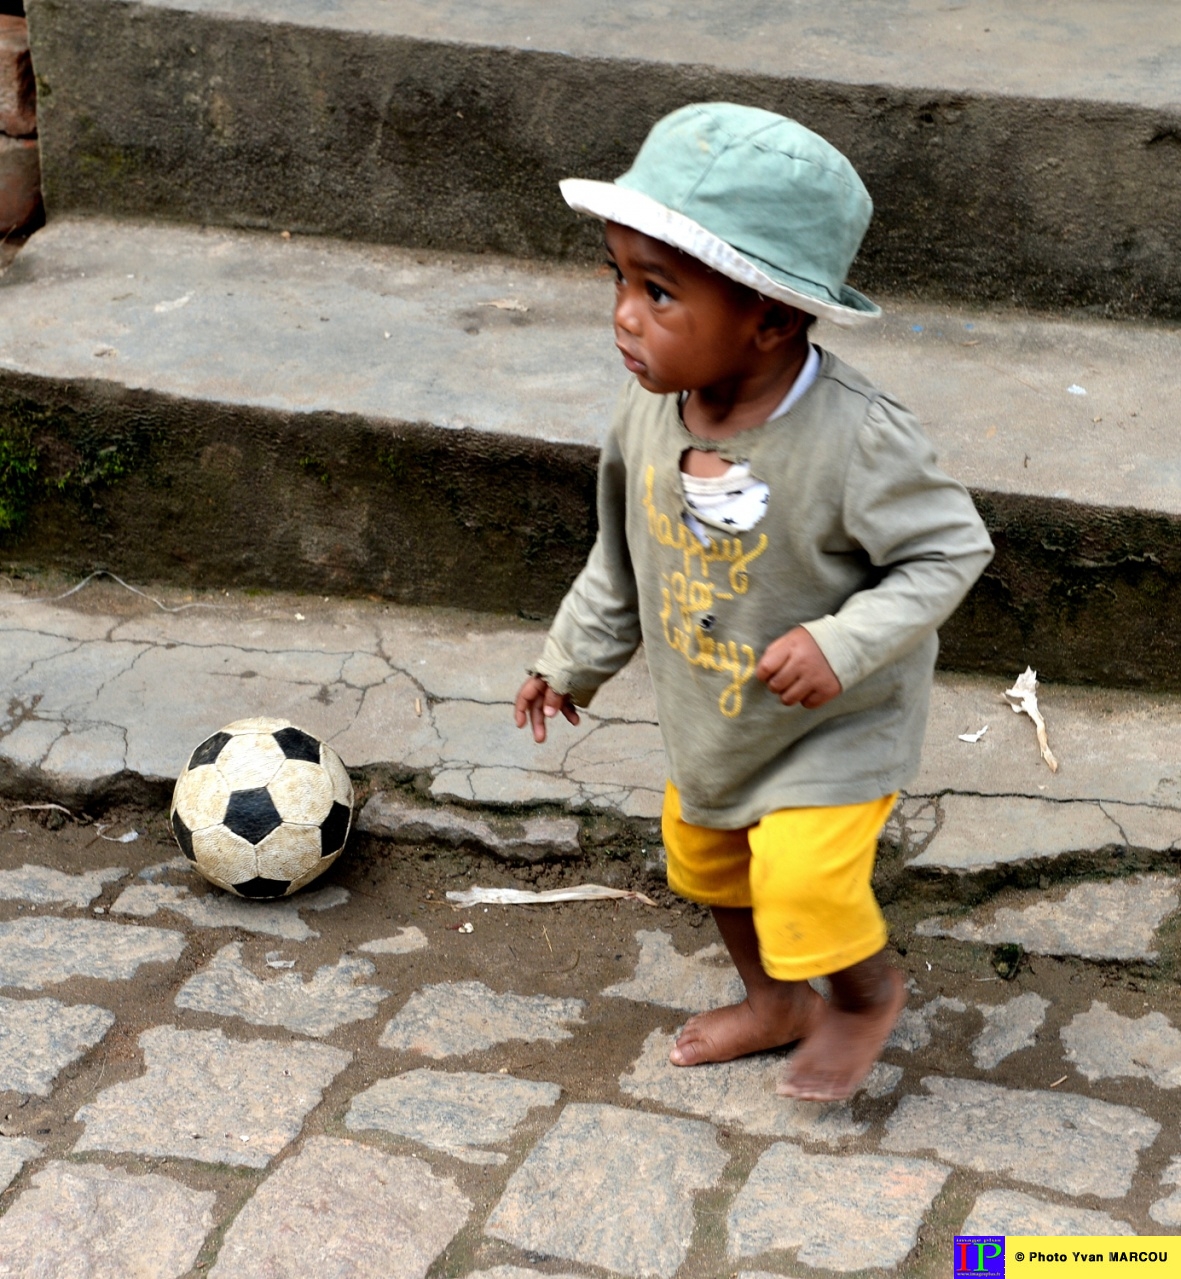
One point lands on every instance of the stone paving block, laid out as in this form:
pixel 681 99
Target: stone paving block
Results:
pixel 15 1152
pixel 1096 920
pixel 1101 1044
pixel 40 1037
pixel 203 1096
pixel 330 998
pixel 383 726
pixel 1008 1028
pixel 341 1210
pixel 488 760
pixel 84 1219
pixel 30 741
pixel 759 1274
pixel 620 753
pixel 456 1113
pixel 1058 1140
pixel 915 1026
pixel 882 1080
pixel 1146 826
pixel 458 1017
pixel 142 901
pixel 402 942
pixel 518 1272
pixel 85 751
pixel 612 1188
pixel 979 831
pixel 1009 1212
pixel 529 840
pixel 843 1212
pixel 489 785
pixel 44 886
pixel 691 983
pixel 223 910
pixel 178 865
pixel 739 1093
pixel 1168 1210
pixel 479 735
pixel 40 952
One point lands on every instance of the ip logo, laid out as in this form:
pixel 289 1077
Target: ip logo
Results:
pixel 979 1255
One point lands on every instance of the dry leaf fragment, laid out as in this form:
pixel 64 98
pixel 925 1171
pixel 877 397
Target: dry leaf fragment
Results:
pixel 162 308
pixel 506 304
pixel 974 737
pixel 129 838
pixel 1022 697
pixel 522 897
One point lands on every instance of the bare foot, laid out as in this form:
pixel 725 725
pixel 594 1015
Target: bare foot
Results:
pixel 831 1064
pixel 768 1020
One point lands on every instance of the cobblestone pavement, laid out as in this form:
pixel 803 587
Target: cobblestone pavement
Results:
pixel 354 1083
pixel 372 1090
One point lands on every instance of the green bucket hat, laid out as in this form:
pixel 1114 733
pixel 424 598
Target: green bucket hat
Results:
pixel 750 193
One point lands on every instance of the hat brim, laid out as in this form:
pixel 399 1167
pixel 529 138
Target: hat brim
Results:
pixel 634 209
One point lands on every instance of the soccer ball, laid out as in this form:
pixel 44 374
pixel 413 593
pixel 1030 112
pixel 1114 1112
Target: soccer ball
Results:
pixel 262 808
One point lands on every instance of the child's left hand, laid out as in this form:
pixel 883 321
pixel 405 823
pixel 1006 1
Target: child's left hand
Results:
pixel 794 668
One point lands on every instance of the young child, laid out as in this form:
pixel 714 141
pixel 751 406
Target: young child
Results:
pixel 776 531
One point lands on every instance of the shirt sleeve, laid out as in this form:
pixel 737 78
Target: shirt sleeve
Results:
pixel 919 527
pixel 597 627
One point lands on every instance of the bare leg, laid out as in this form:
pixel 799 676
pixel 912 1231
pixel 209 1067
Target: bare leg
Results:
pixel 866 1001
pixel 772 1014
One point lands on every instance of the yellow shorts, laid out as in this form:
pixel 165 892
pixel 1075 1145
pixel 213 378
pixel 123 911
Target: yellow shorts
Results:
pixel 804 872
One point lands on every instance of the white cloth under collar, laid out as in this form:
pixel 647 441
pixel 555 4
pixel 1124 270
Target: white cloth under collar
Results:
pixel 735 501
pixel 804 379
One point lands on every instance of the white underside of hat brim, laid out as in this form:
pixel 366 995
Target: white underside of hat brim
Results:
pixel 640 212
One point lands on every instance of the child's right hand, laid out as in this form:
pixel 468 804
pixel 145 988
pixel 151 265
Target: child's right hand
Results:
pixel 536 702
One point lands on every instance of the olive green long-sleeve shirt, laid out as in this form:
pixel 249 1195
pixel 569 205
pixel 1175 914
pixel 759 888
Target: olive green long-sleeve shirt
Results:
pixel 864 542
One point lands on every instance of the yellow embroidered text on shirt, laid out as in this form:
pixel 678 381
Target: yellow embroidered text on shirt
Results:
pixel 725 550
pixel 689 594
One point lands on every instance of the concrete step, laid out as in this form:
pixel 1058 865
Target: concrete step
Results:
pixel 1014 152
pixel 225 407
pixel 106 695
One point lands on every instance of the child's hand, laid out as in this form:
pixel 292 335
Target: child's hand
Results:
pixel 536 702
pixel 794 667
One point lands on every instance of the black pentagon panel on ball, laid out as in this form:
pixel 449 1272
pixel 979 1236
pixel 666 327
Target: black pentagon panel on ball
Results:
pixel 260 887
pixel 209 750
pixel 333 829
pixel 252 814
pixel 183 836
pixel 296 744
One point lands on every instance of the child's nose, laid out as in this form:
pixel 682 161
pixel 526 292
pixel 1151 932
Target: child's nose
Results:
pixel 626 313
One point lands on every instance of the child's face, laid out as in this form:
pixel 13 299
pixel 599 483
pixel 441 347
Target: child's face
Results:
pixel 679 325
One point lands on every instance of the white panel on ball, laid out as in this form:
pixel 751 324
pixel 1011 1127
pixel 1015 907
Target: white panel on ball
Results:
pixel 302 791
pixel 257 724
pixel 224 857
pixel 201 797
pixel 289 852
pixel 342 786
pixel 249 759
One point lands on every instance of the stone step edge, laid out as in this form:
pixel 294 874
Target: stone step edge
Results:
pixel 166 488
pixel 1076 838
pixel 448 128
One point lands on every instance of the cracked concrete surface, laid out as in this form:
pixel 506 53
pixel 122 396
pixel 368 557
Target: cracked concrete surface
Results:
pixel 90 695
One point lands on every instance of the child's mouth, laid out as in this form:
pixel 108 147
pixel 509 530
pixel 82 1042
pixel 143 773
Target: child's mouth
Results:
pixel 631 363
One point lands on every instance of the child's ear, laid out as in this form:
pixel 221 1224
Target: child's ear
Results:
pixel 781 325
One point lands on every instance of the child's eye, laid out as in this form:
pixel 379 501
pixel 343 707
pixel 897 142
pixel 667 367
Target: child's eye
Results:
pixel 615 271
pixel 656 293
